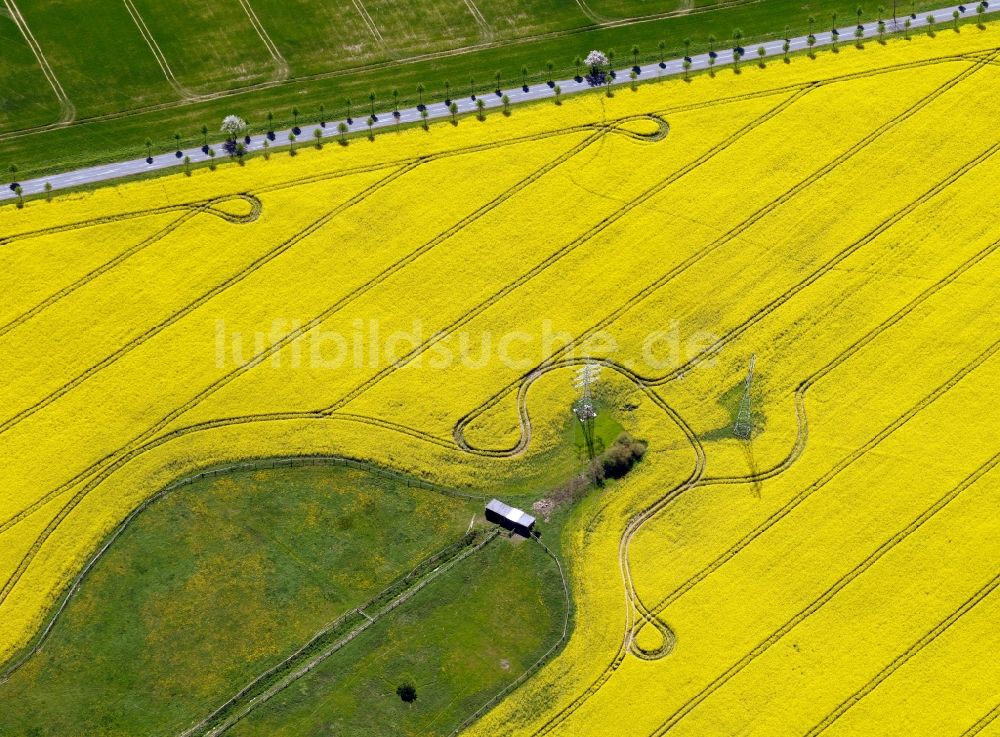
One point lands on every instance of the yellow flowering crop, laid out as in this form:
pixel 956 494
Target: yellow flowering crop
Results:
pixel 422 302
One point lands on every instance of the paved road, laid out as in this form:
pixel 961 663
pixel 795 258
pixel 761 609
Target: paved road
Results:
pixel 673 67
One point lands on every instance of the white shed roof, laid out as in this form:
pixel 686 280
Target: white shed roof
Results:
pixel 514 515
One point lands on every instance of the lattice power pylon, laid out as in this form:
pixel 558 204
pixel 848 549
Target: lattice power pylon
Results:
pixel 585 379
pixel 584 408
pixel 743 427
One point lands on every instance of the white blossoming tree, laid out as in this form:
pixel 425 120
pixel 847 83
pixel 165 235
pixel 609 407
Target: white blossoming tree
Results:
pixel 233 126
pixel 597 59
pixel 597 63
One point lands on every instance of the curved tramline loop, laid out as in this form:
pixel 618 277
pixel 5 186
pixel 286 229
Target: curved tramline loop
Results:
pixel 562 252
pixel 162 424
pixel 817 604
pixel 651 615
pixel 209 205
pixel 725 238
pixel 597 131
pixel 206 208
pixel 116 460
pixel 69 117
pixel 127 452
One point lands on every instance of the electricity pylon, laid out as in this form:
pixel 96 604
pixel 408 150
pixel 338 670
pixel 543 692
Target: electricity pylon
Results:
pixel 583 408
pixel 743 427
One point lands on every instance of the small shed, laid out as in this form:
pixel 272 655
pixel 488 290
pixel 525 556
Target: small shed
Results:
pixel 509 517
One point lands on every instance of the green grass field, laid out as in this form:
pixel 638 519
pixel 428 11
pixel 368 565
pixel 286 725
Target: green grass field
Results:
pixel 25 96
pixel 220 580
pixel 458 642
pixel 126 85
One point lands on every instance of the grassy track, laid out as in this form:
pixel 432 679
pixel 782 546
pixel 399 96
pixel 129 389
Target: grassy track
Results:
pixel 346 60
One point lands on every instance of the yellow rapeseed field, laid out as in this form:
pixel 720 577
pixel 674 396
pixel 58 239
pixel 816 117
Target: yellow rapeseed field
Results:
pixel 423 301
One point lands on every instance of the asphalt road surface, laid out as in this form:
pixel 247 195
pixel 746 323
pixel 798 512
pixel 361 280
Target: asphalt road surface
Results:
pixel 438 110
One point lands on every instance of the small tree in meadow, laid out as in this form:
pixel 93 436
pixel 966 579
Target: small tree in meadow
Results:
pixel 48 192
pixel 424 115
pixel 687 70
pixel 420 95
pixel 267 150
pixel 524 76
pixel 291 143
pixel 481 109
pixel 371 100
pixel 19 191
pixel 557 90
pixel 453 109
pixel 930 25
pixel 506 104
pixel 342 130
pixel 187 166
pixel 955 15
pixel 371 130
pixel 211 156
pixel 407 693
pixel 660 52
pixel 761 53
pixel 785 48
pixel 859 36
pixel 318 138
